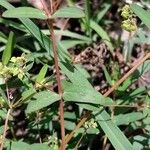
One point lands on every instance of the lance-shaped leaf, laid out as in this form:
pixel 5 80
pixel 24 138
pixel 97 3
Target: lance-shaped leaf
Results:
pixel 83 94
pixel 114 134
pixel 24 12
pixel 128 118
pixel 8 50
pixel 68 12
pixel 79 89
pixel 41 100
pixel 42 73
pixel 102 33
pixel 20 145
pixel 142 14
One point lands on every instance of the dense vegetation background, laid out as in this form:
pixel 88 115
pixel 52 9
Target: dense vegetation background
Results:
pixel 74 74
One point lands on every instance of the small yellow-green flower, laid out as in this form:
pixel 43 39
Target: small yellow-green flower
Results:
pixel 129 22
pixel 13 59
pixel 90 124
pixel 129 25
pixel 14 70
pixel 18 60
pixel 20 74
pixel 126 12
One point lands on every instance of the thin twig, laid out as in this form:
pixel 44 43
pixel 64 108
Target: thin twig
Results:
pixel 7 92
pixel 45 8
pixel 127 75
pixel 77 145
pixel 51 6
pixel 128 106
pixel 7 117
pixel 104 142
pixel 5 130
pixel 84 117
pixel 81 122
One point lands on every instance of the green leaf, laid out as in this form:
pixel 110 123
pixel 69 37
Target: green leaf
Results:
pixel 103 34
pixel 83 94
pixel 36 32
pixel 42 74
pixel 141 142
pixel 128 118
pixel 90 107
pixel 13 24
pixel 68 12
pixel 131 79
pixel 69 125
pixel 20 146
pixel 75 75
pixel 137 92
pixel 82 70
pixel 39 147
pixel 2 93
pixel 88 16
pixel 8 50
pixel 103 11
pixel 3 115
pixel 28 94
pixel 116 137
pixel 71 43
pixel 72 35
pixel 142 14
pixel 24 12
pixel 144 67
pixel 107 75
pixel 80 90
pixel 92 131
pixel 24 146
pixel 5 4
pixel 70 115
pixel 41 100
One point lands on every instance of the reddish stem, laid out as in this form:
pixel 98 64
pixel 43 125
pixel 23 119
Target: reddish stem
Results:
pixel 5 130
pixel 59 84
pixel 52 37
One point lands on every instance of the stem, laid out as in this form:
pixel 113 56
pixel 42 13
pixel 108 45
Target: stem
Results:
pixel 84 117
pixel 104 143
pixel 7 92
pixel 5 130
pixel 81 122
pixel 77 145
pixel 50 23
pixel 126 75
pixel 52 37
pixel 7 118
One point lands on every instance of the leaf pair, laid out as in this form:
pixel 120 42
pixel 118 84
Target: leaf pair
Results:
pixel 29 12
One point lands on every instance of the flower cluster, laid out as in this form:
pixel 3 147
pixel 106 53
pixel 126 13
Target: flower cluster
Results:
pixel 90 124
pixel 15 68
pixel 129 20
pixel 53 142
